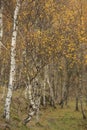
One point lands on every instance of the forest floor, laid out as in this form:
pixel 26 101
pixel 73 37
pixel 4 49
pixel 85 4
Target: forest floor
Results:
pixel 49 118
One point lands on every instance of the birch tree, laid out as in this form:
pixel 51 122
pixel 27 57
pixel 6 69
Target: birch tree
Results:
pixel 1 23
pixel 34 101
pixel 48 81
pixel 12 63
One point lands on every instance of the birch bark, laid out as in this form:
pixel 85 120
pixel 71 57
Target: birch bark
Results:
pixel 12 63
pixel 47 77
pixel 32 109
pixel 1 23
pixel 34 98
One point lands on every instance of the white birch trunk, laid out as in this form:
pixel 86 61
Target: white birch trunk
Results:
pixel 50 86
pixel 1 24
pixel 44 98
pixel 1 35
pixel 12 64
pixel 38 97
pixel 32 109
pixel 34 98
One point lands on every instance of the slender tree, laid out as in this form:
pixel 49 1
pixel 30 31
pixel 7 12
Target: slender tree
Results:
pixel 1 23
pixel 12 63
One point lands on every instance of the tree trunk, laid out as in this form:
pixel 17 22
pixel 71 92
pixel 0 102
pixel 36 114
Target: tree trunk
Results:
pixel 34 104
pixel 77 95
pixel 52 101
pixel 32 107
pixel 12 63
pixel 1 23
pixel 44 96
pixel 77 104
pixel 80 95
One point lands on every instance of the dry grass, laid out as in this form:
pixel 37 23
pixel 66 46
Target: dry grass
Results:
pixel 50 118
